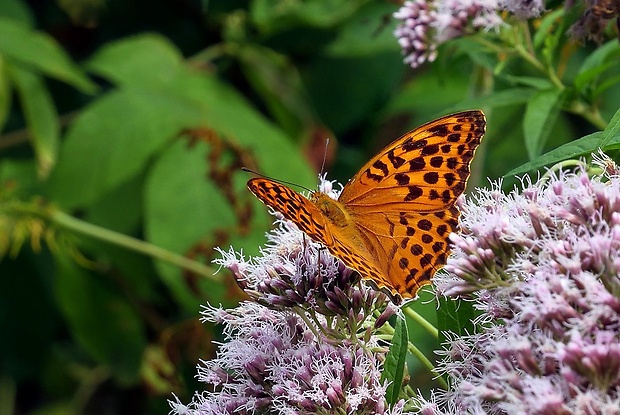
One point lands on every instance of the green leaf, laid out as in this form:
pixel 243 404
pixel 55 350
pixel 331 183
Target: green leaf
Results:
pixel 609 82
pixel 439 92
pixel 594 65
pixel 100 320
pixel 366 33
pixel 41 117
pixel 503 98
pixel 611 131
pixel 20 177
pixel 279 84
pixel 146 60
pixel 584 145
pixel 344 107
pixel 394 365
pixel 551 41
pixel 5 92
pixel 119 210
pixel 471 48
pixel 112 140
pixel 584 78
pixel 547 25
pixel 180 220
pixel 232 116
pixel 599 57
pixel 530 81
pixel 41 52
pixel 455 316
pixel 540 115
pixel 275 16
pixel 17 10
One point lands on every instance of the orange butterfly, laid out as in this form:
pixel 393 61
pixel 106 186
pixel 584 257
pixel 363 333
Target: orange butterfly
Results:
pixel 392 220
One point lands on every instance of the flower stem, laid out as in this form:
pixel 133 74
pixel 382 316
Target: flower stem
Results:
pixel 592 115
pixel 415 316
pixel 70 223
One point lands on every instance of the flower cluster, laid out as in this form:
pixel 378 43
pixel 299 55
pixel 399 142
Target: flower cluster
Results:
pixel 545 262
pixel 306 343
pixel 296 272
pixel 272 362
pixel 543 268
pixel 414 34
pixel 426 24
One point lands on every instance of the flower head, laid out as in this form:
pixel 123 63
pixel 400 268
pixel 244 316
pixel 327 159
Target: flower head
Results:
pixel 414 34
pixel 546 263
pixel 425 24
pixel 305 343
pixel 273 361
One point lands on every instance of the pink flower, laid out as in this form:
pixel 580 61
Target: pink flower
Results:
pixel 427 24
pixel 542 268
pixel 307 342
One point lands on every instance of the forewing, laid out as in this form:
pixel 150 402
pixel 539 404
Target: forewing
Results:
pixel 425 170
pixel 294 207
pixel 343 242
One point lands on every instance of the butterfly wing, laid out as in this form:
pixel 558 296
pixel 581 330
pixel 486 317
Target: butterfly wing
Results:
pixel 294 207
pixel 424 170
pixel 407 248
pixel 339 236
pixel 402 200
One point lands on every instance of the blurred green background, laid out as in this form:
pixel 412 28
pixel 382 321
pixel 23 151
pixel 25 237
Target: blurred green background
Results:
pixel 124 127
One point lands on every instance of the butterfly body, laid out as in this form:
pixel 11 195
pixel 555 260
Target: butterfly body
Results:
pixel 392 220
pixel 343 225
pixel 332 209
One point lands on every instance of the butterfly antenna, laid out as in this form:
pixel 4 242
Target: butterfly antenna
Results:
pixel 245 169
pixel 324 157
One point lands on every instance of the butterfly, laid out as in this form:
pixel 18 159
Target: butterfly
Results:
pixel 392 220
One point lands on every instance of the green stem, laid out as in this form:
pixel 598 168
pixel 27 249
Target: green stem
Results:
pixel 481 85
pixel 68 222
pixel 525 27
pixel 490 45
pixel 529 54
pixel 532 60
pixel 590 114
pixel 418 353
pixel 90 381
pixel 525 50
pixel 412 314
pixel 304 316
pixel 214 52
pixel 563 165
pixel 413 349
pixel 554 78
